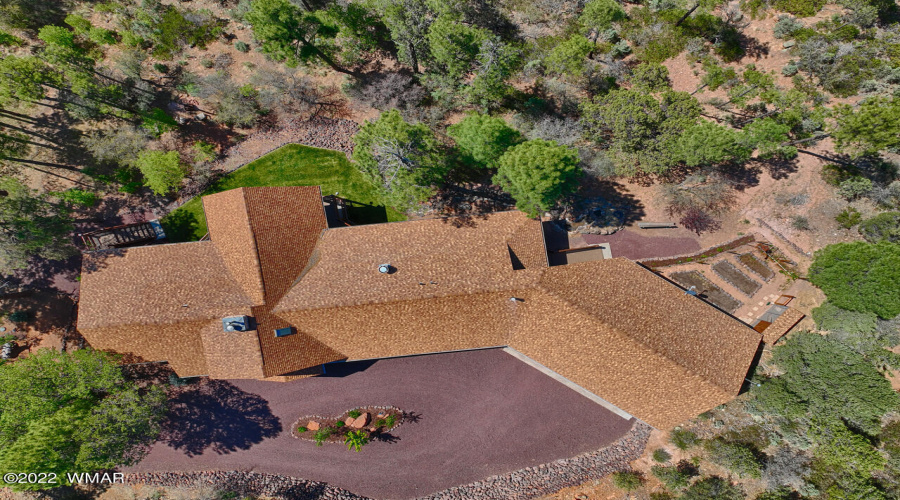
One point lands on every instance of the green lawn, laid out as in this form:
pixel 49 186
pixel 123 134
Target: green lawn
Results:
pixel 291 165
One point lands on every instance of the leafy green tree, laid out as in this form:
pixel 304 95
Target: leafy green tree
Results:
pixel 882 227
pixel 483 138
pixel 31 225
pixel 844 462
pixel 289 34
pixel 824 381
pixel 713 488
pixel 538 173
pixel 402 160
pixel 873 127
pixel 640 130
pixel 650 77
pixel 860 276
pixel 454 46
pixel 65 412
pixel 162 171
pixel 570 56
pixel 599 15
pixel 495 63
pixel 408 22
pixel 707 143
pixel 768 136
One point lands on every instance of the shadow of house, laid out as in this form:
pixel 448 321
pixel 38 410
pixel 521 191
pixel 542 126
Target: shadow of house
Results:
pixel 215 415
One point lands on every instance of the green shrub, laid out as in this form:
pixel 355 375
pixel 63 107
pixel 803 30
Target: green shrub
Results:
pixel 391 420
pixel 835 174
pixel 356 440
pixel 860 276
pixel 19 316
pixel 786 26
pixel 628 480
pixel 380 422
pixel 832 318
pixel 790 69
pixel 882 227
pixel 302 429
pixel 848 217
pixel 206 62
pixel 739 458
pixel 661 456
pixel 241 46
pixel 854 187
pixel 161 68
pixel 802 8
pixel 354 413
pixel 675 477
pixel 800 222
pixel 683 439
pixel 102 36
pixel 713 488
pixel 339 424
pixel 322 434
pixel 890 438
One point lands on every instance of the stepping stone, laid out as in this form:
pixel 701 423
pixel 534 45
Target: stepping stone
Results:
pixel 756 309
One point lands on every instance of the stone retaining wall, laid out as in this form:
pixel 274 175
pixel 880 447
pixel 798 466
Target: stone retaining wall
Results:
pixel 525 483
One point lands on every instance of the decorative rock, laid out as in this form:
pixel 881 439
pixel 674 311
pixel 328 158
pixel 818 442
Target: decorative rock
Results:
pixel 313 426
pixel 349 421
pixel 360 421
pixel 373 429
pixel 201 116
pixel 788 44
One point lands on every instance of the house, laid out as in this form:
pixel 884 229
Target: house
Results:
pixel 274 294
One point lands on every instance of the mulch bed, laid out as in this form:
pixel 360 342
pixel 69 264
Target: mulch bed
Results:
pixel 707 290
pixel 757 266
pixel 375 421
pixel 735 277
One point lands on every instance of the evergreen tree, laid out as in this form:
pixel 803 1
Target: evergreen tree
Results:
pixel 538 173
pixel 483 139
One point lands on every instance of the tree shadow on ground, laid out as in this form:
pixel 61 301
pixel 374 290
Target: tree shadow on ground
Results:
pixel 753 47
pixel 631 208
pixel 180 225
pixel 218 416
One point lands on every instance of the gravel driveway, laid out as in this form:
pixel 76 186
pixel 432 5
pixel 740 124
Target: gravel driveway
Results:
pixel 481 413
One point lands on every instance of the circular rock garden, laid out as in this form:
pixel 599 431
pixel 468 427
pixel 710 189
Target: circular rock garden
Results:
pixel 355 427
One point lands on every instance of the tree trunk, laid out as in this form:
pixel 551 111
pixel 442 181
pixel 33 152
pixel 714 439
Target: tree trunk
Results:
pixel 833 160
pixel 684 17
pixel 412 54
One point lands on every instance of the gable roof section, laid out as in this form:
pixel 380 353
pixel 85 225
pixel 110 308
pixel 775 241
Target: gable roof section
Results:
pixel 174 296
pixel 156 285
pixel 231 233
pixel 431 258
pixel 658 315
pixel 605 361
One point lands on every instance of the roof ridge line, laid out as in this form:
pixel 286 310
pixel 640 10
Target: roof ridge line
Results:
pixel 629 337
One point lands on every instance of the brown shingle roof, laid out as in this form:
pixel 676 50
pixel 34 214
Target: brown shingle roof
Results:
pixel 782 324
pixel 230 231
pixel 431 258
pixel 659 315
pixel 610 326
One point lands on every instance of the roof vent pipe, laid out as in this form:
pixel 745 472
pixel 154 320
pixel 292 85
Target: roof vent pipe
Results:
pixel 384 268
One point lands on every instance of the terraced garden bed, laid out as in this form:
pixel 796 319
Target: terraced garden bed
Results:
pixel 736 278
pixel 707 290
pixel 757 266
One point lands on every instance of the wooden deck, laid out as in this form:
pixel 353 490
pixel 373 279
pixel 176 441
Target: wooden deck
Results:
pixel 120 236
